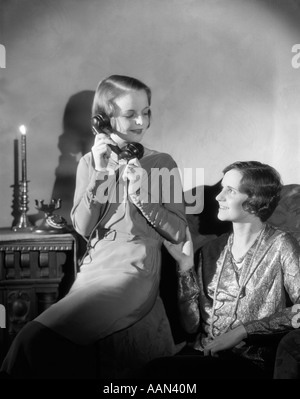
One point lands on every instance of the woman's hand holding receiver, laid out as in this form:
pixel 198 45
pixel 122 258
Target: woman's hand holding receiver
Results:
pixel 101 151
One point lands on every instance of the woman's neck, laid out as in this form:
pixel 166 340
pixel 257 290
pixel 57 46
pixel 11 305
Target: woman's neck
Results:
pixel 244 235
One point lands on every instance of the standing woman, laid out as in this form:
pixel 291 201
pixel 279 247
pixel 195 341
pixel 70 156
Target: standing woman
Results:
pixel 125 207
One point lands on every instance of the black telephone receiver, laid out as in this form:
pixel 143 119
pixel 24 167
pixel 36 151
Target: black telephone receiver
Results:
pixel 132 150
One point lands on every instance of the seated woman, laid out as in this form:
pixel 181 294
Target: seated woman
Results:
pixel 235 298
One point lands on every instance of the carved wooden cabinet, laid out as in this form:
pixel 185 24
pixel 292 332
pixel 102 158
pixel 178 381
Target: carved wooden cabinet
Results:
pixel 35 271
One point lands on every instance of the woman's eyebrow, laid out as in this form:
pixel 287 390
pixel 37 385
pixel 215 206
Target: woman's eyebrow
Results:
pixel 233 188
pixel 133 110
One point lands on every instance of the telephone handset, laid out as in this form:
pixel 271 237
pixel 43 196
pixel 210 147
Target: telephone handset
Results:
pixel 132 150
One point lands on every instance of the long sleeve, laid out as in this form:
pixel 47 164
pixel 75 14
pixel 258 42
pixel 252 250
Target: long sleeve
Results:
pixel 188 300
pixel 160 200
pixel 288 317
pixel 192 285
pixel 87 209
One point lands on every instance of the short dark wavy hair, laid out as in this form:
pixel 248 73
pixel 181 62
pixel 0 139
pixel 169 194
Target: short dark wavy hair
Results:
pixel 262 183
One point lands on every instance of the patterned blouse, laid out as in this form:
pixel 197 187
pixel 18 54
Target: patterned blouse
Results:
pixel 216 296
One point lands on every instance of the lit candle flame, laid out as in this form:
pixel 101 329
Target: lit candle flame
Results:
pixel 22 129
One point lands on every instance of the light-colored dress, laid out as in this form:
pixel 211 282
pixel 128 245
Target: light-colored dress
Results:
pixel 119 278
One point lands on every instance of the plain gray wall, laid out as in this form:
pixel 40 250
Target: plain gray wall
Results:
pixel 224 88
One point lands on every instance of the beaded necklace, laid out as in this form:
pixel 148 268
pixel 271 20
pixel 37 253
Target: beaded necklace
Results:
pixel 245 275
pixel 239 263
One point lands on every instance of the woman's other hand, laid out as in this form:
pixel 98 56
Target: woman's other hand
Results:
pixel 183 252
pixel 135 174
pixel 225 341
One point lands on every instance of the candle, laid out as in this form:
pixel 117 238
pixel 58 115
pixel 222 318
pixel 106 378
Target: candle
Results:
pixel 16 162
pixel 22 129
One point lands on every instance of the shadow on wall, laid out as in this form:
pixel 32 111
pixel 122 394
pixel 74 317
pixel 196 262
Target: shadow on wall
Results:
pixel 75 141
pixel 206 222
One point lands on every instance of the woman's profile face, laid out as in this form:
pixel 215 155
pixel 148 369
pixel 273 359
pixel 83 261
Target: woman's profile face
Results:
pixel 231 199
pixel 131 118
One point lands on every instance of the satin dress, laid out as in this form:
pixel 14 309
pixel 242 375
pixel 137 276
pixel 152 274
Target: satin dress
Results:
pixel 118 281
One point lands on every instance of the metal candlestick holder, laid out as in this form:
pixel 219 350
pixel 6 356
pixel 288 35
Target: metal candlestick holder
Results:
pixel 15 204
pixel 23 223
pixel 52 223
